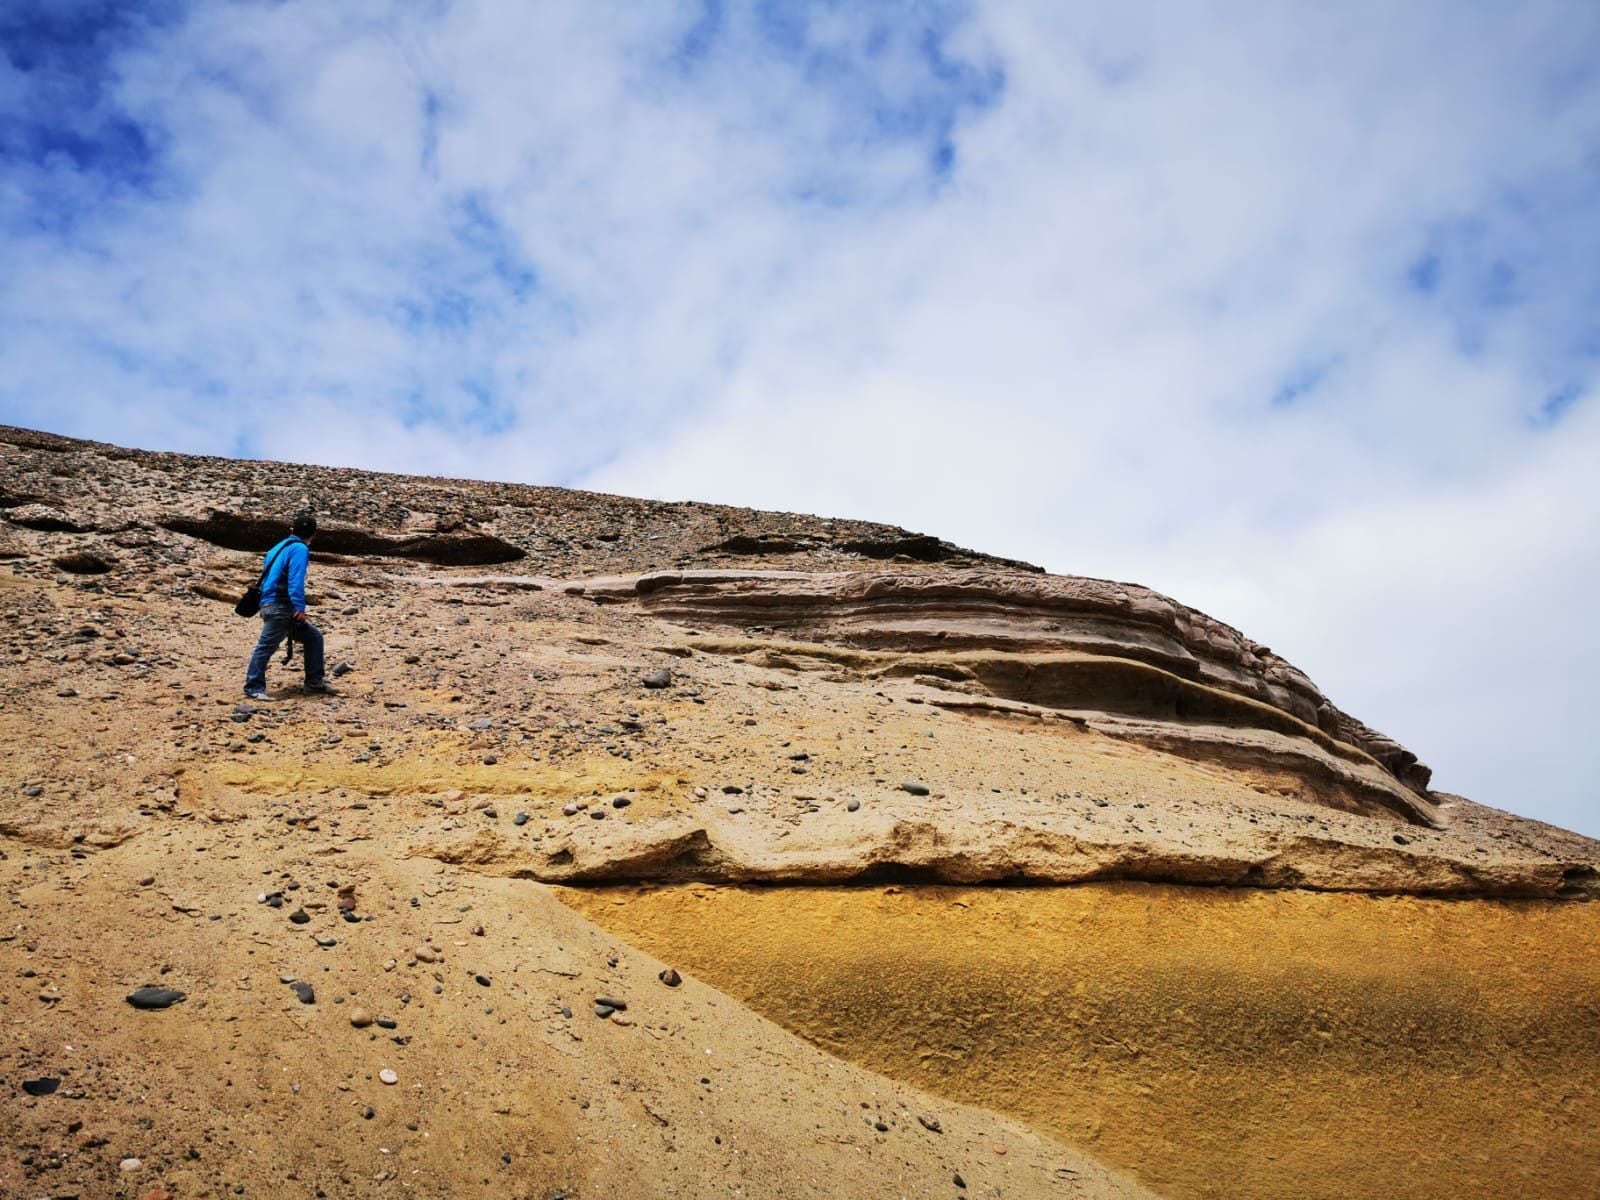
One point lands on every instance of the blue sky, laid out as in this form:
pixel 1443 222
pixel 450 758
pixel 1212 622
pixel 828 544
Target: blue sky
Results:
pixel 1289 310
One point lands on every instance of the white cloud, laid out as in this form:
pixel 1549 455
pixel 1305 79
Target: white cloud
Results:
pixel 1033 290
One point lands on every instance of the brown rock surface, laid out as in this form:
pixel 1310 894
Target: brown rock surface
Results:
pixel 1060 731
pixel 1249 1044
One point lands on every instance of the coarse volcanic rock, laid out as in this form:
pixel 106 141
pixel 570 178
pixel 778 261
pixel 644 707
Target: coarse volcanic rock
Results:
pixel 451 547
pixel 43 518
pixel 246 506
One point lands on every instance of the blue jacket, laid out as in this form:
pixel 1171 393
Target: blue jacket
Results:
pixel 285 582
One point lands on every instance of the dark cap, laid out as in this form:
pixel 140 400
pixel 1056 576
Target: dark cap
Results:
pixel 304 523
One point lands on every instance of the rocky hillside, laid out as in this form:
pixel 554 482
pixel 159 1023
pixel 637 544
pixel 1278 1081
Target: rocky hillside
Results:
pixel 805 796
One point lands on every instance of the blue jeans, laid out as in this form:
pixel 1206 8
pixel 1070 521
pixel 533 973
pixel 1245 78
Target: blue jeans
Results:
pixel 277 623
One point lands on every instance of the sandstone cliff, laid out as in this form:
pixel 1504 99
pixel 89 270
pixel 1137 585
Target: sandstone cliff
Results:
pixel 910 745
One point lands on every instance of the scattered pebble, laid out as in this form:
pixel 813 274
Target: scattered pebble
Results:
pixel 361 1018
pixel 387 1075
pixel 154 997
pixel 670 977
pixel 659 678
pixel 852 805
pixel 130 1165
pixel 915 788
pixel 306 993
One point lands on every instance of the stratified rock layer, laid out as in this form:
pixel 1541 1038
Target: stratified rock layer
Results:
pixel 1066 643
pixel 1216 1045
pixel 1237 769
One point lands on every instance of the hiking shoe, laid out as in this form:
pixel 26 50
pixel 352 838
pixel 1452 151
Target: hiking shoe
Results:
pixel 320 689
pixel 256 694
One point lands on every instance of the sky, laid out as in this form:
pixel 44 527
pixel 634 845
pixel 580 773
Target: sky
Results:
pixel 1288 310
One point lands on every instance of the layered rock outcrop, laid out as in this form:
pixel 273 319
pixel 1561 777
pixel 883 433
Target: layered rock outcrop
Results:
pixel 843 772
pixel 1063 642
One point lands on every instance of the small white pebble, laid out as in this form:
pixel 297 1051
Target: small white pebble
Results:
pixel 388 1076
pixel 130 1165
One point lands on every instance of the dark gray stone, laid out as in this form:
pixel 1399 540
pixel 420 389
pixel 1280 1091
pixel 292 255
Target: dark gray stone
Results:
pixel 154 997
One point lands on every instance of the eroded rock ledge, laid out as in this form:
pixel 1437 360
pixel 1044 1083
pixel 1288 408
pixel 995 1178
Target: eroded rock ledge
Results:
pixel 914 851
pixel 453 545
pixel 1171 674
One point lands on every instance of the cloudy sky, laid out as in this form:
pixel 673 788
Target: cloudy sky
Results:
pixel 1290 310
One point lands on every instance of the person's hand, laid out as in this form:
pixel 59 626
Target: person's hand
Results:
pixel 300 616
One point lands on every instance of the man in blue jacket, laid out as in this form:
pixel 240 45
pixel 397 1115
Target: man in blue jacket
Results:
pixel 283 611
